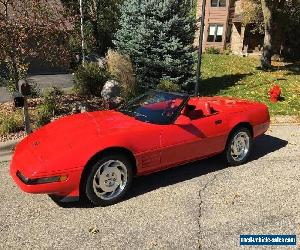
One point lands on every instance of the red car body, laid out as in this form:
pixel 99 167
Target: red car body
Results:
pixel 65 146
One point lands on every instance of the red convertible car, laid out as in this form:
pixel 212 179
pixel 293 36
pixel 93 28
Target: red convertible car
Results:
pixel 96 155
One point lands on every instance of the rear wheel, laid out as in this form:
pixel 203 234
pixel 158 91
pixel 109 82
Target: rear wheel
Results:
pixel 239 146
pixel 108 180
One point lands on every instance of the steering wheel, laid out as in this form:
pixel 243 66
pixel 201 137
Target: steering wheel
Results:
pixel 171 105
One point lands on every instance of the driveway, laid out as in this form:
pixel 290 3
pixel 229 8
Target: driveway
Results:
pixel 203 205
pixel 63 81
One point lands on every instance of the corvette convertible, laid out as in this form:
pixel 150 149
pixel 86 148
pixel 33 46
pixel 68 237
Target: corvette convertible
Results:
pixel 96 155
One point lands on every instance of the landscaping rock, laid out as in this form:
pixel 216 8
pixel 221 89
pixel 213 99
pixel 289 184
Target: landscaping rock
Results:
pixel 80 108
pixel 115 102
pixel 111 90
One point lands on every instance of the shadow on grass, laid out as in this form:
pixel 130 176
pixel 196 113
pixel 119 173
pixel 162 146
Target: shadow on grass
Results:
pixel 262 146
pixel 214 85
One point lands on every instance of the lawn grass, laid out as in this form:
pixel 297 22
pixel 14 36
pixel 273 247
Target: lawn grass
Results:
pixel 229 75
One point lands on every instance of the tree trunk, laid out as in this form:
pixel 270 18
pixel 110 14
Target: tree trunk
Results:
pixel 13 71
pixel 97 36
pixel 268 39
pixel 15 75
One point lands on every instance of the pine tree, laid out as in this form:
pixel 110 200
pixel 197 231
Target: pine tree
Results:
pixel 158 35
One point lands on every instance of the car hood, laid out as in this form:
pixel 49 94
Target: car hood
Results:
pixel 59 137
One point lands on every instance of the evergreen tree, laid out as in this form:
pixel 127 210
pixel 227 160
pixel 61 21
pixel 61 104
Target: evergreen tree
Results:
pixel 158 35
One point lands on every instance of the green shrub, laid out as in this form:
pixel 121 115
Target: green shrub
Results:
pixel 120 67
pixel 90 79
pixel 10 86
pixel 49 107
pixel 45 113
pixel 10 124
pixel 212 50
pixel 167 85
pixel 227 51
pixel 53 92
pixel 35 91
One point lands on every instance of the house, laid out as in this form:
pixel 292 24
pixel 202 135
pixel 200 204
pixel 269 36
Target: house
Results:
pixel 223 28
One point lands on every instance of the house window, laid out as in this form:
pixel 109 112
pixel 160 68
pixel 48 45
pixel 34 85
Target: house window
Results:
pixel 218 3
pixel 215 33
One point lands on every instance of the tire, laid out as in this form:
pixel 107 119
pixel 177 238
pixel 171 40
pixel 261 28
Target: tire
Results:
pixel 108 180
pixel 238 146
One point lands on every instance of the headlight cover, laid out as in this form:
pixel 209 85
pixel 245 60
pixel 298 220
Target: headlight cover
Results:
pixel 44 180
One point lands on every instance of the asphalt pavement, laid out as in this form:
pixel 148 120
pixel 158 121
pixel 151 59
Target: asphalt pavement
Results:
pixel 204 205
pixel 63 81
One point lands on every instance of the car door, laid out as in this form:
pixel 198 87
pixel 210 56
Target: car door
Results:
pixel 147 147
pixel 203 137
pixel 215 130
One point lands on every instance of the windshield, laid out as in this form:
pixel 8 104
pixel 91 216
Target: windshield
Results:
pixel 156 107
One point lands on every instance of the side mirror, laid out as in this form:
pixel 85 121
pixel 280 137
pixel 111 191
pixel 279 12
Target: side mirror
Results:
pixel 183 120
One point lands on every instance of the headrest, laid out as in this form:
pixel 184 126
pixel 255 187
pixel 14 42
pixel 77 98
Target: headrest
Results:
pixel 207 109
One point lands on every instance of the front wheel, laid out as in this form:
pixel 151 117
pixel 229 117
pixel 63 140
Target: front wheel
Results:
pixel 108 180
pixel 239 146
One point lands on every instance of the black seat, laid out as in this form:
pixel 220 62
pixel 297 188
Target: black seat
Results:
pixel 195 114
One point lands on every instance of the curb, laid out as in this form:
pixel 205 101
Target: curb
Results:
pixel 6 150
pixel 8 145
pixel 285 120
pixel 284 123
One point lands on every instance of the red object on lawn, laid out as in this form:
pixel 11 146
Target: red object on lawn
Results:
pixel 96 155
pixel 275 93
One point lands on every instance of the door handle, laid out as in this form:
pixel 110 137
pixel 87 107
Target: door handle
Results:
pixel 218 122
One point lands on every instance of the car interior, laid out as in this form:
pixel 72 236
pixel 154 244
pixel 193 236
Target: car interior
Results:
pixel 196 109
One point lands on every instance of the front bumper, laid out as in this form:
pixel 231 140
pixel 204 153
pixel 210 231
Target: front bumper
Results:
pixel 68 187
